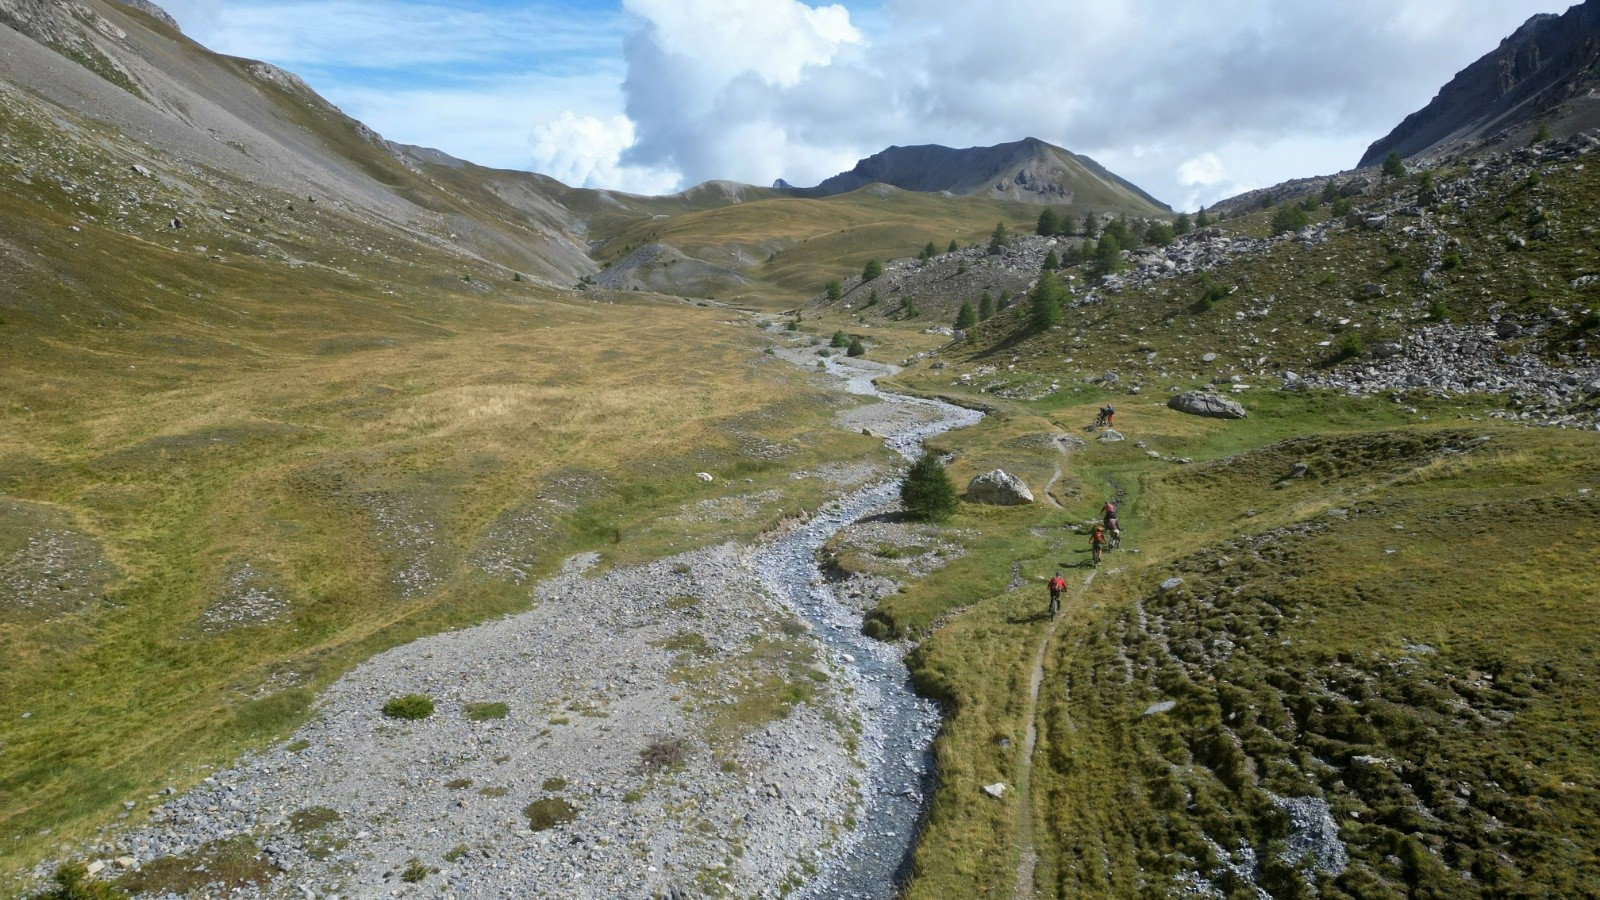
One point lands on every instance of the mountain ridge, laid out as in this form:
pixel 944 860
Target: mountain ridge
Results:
pixel 1029 170
pixel 1544 71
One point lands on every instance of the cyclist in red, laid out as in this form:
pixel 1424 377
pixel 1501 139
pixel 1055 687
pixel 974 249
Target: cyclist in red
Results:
pixel 1057 585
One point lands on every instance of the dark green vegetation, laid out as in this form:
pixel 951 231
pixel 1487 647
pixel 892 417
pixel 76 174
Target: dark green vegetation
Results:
pixel 927 492
pixel 549 812
pixel 71 882
pixel 408 706
pixel 483 712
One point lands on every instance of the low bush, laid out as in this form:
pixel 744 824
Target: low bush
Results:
pixel 481 712
pixel 546 814
pixel 409 706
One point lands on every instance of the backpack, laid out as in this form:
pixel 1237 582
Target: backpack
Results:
pixel 1058 583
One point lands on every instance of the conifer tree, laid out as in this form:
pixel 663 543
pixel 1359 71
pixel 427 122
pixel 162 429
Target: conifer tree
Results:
pixel 927 493
pixel 1394 166
pixel 873 270
pixel 967 317
pixel 985 307
pixel 834 290
pixel 1051 262
pixel 1182 224
pixel 1046 300
pixel 1047 223
pixel 953 246
pixel 998 239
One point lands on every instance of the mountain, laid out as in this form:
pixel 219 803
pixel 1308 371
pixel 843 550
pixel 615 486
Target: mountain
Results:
pixel 1029 171
pixel 1544 72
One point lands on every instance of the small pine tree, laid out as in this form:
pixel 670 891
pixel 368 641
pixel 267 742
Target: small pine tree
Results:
pixel 1426 181
pixel 1289 219
pixel 1394 166
pixel 1091 225
pixel 1267 200
pixel 1330 191
pixel 516 276
pixel 1047 223
pixel 1005 301
pixel 998 238
pixel 872 298
pixel 72 882
pixel 954 247
pixel 839 340
pixel 1108 256
pixel 1543 134
pixel 927 493
pixel 873 270
pixel 1046 300
pixel 1202 220
pixel 834 290
pixel 985 307
pixel 910 308
pixel 1182 224
pixel 856 348
pixel 967 316
pixel 930 251
pixel 1159 233
pixel 1051 262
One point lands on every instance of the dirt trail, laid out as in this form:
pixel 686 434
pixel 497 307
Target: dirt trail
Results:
pixel 1029 860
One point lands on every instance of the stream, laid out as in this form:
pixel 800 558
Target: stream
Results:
pixel 898 726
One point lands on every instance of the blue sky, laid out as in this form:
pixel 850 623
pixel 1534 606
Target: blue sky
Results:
pixel 1193 101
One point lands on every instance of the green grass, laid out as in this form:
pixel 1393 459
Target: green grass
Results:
pixel 483 712
pixel 549 812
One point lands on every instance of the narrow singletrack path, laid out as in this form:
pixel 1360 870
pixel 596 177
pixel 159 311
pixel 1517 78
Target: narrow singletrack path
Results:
pixel 1029 860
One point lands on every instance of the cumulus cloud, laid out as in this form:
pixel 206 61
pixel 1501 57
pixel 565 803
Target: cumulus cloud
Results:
pixel 759 89
pixel 585 151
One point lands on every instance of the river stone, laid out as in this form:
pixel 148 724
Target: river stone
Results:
pixel 1202 403
pixel 1110 435
pixel 999 488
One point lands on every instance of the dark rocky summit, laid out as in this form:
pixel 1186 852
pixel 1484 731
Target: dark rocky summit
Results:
pixel 1543 72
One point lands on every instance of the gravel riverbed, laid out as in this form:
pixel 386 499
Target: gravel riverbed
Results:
pixel 633 709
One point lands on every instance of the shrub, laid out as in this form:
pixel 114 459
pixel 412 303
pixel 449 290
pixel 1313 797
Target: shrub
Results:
pixel 910 308
pixel 791 325
pixel 1159 233
pixel 1108 255
pixel 953 246
pixel 1210 291
pixel 72 883
pixel 834 290
pixel 927 492
pixel 663 754
pixel 1437 311
pixel 516 276
pixel 1342 206
pixel 1051 262
pixel 839 340
pixel 554 783
pixel 1091 225
pixel 872 298
pixel 414 871
pixel 1182 224
pixel 1005 300
pixel 985 307
pixel 409 706
pixel 1349 346
pixel 1289 219
pixel 1330 191
pixel 873 270
pixel 1394 166
pixel 1202 220
pixel 546 814
pixel 1590 321
pixel 856 348
pixel 1267 200
pixel 456 853
pixel 1452 260
pixel 1542 135
pixel 482 712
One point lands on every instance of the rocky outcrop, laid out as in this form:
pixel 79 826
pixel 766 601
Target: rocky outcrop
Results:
pixel 1202 403
pixel 1548 61
pixel 999 488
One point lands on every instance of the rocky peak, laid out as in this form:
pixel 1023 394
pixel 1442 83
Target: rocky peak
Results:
pixel 1548 63
pixel 154 12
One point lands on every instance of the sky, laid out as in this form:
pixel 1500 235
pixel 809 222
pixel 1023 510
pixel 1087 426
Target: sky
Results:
pixel 1193 100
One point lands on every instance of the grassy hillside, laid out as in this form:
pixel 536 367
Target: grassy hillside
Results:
pixel 225 478
pixel 1379 674
pixel 793 246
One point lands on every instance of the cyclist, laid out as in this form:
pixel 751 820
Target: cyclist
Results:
pixel 1057 585
pixel 1109 511
pixel 1115 531
pixel 1097 543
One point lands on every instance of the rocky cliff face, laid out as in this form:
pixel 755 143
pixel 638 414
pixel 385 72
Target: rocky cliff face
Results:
pixel 1029 171
pixel 1544 71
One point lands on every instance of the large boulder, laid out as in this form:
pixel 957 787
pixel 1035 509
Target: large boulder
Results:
pixel 999 488
pixel 1202 403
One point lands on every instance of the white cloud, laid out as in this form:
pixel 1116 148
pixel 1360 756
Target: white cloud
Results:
pixel 1144 86
pixel 1205 169
pixel 584 151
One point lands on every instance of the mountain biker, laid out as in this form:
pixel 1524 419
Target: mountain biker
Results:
pixel 1109 511
pixel 1097 543
pixel 1057 585
pixel 1108 414
pixel 1115 531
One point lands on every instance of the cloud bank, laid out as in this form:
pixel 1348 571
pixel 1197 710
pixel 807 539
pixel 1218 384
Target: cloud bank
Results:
pixel 1192 101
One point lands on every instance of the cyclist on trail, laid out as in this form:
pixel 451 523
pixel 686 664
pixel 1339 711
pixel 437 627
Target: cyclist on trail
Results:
pixel 1057 585
pixel 1097 543
pixel 1108 414
pixel 1115 532
pixel 1109 511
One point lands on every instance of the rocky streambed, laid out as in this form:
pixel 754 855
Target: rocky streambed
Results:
pixel 635 734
